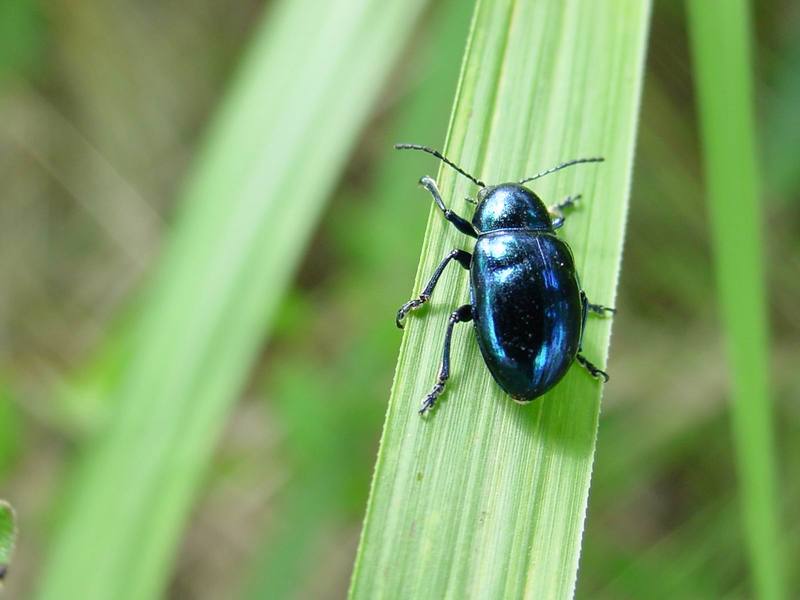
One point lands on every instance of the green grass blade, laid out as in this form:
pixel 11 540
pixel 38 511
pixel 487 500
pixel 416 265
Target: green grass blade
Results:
pixel 8 536
pixel 721 41
pixel 306 87
pixel 486 498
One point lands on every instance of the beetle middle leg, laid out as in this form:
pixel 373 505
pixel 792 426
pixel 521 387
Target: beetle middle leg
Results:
pixel 463 257
pixel 597 309
pixel 461 315
pixel 558 210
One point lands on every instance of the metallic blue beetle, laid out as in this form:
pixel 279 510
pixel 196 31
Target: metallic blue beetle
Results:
pixel 526 301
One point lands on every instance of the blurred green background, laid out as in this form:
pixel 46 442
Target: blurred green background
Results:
pixel 102 109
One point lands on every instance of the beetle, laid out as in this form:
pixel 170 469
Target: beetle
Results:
pixel 526 302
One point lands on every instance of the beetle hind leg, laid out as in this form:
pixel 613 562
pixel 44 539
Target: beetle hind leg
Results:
pixel 593 370
pixel 462 315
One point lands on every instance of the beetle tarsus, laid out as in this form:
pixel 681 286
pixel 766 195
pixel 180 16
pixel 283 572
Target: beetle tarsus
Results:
pixel 430 399
pixel 593 371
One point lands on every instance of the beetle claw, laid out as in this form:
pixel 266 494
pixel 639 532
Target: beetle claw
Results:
pixel 593 371
pixel 407 308
pixel 430 399
pixel 427 404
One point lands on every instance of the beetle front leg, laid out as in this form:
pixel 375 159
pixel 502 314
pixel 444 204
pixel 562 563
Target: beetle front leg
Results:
pixel 462 315
pixel 558 210
pixel 463 257
pixel 460 222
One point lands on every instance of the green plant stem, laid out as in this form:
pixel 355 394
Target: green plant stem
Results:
pixel 721 40
pixel 486 498
pixel 339 388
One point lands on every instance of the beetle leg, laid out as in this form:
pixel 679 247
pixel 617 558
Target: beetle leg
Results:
pixel 464 259
pixel 460 222
pixel 557 211
pixel 462 315
pixel 597 309
pixel 593 371
pixel 584 362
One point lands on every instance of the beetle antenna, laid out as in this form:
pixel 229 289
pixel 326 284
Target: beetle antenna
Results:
pixel 442 158
pixel 569 163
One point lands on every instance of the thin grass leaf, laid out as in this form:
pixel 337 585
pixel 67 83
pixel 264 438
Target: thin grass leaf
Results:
pixel 486 498
pixel 283 136
pixel 8 537
pixel 11 428
pixel 721 41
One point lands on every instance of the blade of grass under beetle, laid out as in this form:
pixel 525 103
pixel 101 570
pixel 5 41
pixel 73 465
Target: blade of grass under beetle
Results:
pixel 485 498
pixel 284 133
pixel 722 61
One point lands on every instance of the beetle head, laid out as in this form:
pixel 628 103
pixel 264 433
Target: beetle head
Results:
pixel 510 206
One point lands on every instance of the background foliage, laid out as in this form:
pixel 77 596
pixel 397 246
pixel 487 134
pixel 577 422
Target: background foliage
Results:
pixel 103 105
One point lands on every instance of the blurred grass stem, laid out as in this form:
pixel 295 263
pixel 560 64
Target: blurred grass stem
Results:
pixel 721 45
